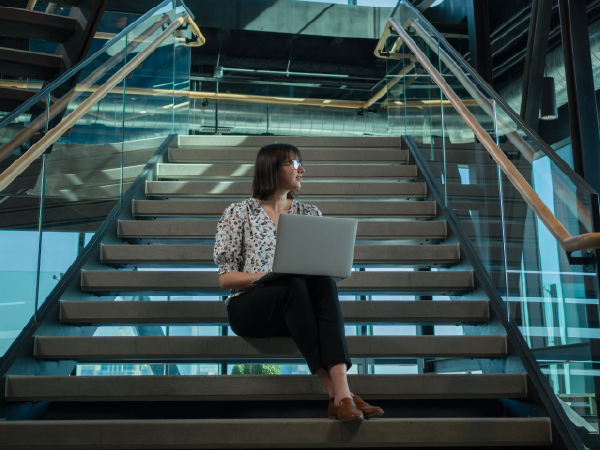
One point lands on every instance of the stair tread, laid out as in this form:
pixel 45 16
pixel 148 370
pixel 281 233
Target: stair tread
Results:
pixel 366 143
pixel 208 208
pixel 214 312
pixel 23 23
pixel 259 387
pixel 155 255
pixel 186 229
pixel 313 171
pixel 309 189
pixel 197 347
pixel 274 433
pixel 199 283
pixel 21 63
pixel 236 155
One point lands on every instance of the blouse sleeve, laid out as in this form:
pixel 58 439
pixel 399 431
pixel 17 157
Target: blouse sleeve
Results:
pixel 228 252
pixel 314 211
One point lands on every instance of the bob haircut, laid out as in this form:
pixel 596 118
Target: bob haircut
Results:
pixel 268 161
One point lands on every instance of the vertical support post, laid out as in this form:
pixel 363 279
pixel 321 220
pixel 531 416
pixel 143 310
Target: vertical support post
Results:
pixel 479 38
pixel 424 330
pixel 583 115
pixel 537 47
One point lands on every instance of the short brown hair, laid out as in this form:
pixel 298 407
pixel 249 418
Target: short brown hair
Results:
pixel 268 161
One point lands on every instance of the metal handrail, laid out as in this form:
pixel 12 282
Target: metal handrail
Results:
pixel 567 242
pixel 21 164
pixel 41 95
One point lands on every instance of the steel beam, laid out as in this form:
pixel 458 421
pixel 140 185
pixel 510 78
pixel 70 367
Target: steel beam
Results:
pixel 583 116
pixel 537 47
pixel 479 38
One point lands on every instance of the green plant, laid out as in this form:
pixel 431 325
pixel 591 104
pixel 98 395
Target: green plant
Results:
pixel 256 369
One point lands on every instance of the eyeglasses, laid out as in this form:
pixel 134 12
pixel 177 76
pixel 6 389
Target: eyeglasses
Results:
pixel 295 163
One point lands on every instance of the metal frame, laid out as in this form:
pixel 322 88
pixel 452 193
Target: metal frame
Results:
pixel 583 118
pixel 564 167
pixel 75 69
pixel 555 411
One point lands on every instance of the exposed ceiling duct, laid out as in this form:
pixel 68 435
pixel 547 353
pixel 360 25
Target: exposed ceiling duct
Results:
pixel 248 118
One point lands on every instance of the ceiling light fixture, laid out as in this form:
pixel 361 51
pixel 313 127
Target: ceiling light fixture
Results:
pixel 548 108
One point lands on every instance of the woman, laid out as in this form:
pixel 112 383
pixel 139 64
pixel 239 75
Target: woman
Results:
pixel 304 307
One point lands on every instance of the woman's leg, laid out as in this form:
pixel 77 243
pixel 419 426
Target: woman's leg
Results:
pixel 336 359
pixel 328 314
pixel 270 309
pixel 327 382
pixel 337 372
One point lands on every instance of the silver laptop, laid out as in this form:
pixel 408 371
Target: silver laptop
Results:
pixel 310 245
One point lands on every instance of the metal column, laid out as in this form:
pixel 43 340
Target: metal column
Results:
pixel 479 38
pixel 537 47
pixel 583 116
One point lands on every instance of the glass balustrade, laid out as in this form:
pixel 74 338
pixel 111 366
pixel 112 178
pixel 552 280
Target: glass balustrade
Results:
pixel 551 296
pixel 49 213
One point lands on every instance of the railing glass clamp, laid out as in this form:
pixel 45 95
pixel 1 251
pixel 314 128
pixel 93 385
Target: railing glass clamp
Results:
pixel 587 258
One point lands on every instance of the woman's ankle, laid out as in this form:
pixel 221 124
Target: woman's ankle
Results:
pixel 339 395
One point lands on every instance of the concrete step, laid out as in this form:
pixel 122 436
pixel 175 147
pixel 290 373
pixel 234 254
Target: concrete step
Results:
pixel 358 209
pixel 24 23
pixel 22 63
pixel 309 189
pixel 202 255
pixel 259 387
pixel 313 171
pixel 191 348
pixel 273 433
pixel 302 142
pixel 109 282
pixel 310 155
pixel 187 230
pixel 214 312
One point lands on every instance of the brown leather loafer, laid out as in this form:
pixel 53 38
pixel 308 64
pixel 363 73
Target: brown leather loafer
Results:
pixel 346 412
pixel 369 411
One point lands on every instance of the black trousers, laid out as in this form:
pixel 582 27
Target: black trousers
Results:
pixel 306 308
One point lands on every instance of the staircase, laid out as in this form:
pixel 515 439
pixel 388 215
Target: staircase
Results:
pixel 73 34
pixel 171 223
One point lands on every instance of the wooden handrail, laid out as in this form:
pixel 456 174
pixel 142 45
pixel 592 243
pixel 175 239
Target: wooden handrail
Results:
pixel 9 175
pixel 195 30
pixel 567 242
pixel 529 154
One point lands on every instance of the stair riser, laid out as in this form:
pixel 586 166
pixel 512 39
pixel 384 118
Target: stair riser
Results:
pixel 358 209
pixel 214 312
pixel 197 189
pixel 207 283
pixel 202 255
pixel 198 347
pixel 313 171
pixel 259 387
pixel 275 433
pixel 188 230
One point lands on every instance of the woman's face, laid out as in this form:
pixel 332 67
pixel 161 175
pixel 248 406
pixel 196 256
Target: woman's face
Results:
pixel 288 178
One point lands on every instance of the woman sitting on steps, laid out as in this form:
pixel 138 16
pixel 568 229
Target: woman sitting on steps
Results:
pixel 306 308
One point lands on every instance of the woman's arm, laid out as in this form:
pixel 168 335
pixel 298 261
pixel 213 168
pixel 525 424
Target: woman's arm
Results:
pixel 239 280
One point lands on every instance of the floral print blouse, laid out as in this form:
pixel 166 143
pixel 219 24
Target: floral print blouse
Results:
pixel 246 238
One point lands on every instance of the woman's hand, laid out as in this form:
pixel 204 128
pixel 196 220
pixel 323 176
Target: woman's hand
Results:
pixel 241 281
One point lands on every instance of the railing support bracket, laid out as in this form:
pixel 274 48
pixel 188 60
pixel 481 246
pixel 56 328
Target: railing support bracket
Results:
pixel 587 258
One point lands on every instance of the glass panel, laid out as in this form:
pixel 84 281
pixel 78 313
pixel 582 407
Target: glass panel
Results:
pixel 19 229
pixel 552 300
pixel 58 203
